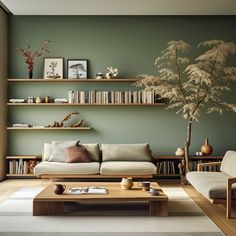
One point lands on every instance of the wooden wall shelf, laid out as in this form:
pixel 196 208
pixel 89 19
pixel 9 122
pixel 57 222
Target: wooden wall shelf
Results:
pixel 73 80
pixel 86 104
pixel 21 175
pixel 28 157
pixel 56 128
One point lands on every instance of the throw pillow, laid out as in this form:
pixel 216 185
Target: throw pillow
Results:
pixel 58 150
pixel 47 151
pixel 77 154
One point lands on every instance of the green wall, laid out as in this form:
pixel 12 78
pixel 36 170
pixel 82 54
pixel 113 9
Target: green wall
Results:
pixel 131 43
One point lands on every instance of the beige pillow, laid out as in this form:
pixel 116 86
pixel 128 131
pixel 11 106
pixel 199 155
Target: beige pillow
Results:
pixel 58 150
pixel 47 151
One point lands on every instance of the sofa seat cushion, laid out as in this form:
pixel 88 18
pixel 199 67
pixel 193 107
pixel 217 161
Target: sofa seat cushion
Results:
pixel 127 168
pixel 210 184
pixel 67 168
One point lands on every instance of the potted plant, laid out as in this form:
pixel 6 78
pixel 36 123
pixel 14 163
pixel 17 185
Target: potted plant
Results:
pixel 191 86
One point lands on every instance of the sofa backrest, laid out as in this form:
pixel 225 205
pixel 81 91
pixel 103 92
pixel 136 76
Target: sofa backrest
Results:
pixel 126 152
pixel 228 165
pixel 93 150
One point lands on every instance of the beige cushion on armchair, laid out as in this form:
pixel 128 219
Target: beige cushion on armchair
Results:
pixel 228 165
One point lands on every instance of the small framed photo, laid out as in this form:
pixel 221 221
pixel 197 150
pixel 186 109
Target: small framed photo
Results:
pixel 53 68
pixel 77 68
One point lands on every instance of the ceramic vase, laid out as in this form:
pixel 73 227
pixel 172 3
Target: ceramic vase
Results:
pixel 30 74
pixel 126 183
pixel 206 149
pixel 179 152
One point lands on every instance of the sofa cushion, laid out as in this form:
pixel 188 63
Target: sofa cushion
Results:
pixel 58 150
pixel 66 168
pixel 228 165
pixel 125 152
pixel 92 148
pixel 210 184
pixel 127 168
pixel 47 151
pixel 77 154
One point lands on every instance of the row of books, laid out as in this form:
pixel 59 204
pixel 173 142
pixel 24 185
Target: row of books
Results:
pixel 104 97
pixel 19 167
pixel 165 167
pixel 171 167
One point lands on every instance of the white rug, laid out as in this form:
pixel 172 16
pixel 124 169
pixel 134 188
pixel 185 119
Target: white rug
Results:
pixel 185 218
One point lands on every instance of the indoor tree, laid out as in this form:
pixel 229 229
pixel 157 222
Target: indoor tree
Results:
pixel 191 85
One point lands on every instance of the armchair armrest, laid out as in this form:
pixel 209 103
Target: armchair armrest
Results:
pixel 201 166
pixel 230 182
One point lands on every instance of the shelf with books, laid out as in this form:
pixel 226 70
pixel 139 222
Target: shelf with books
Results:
pixel 86 104
pixel 167 165
pixel 49 128
pixel 22 165
pixel 91 80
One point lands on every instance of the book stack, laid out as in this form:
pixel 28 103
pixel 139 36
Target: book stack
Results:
pixel 60 100
pixel 17 100
pixel 21 125
pixel 19 166
pixel 113 97
pixel 165 167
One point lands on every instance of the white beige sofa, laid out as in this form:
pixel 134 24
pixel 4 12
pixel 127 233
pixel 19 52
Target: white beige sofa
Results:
pixel 108 161
pixel 218 187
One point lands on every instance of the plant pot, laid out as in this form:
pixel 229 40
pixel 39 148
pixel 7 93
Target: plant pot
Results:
pixel 206 149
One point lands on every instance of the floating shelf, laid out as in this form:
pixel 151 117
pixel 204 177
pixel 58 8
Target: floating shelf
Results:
pixel 72 80
pixel 51 128
pixel 21 175
pixel 86 104
pixel 30 157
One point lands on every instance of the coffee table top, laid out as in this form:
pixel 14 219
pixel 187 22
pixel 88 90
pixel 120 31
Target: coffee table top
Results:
pixel 115 193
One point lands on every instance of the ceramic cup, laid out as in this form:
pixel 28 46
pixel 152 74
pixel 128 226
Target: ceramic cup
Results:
pixel 145 185
pixel 154 192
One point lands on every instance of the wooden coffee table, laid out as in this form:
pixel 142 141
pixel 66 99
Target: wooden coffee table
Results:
pixel 49 203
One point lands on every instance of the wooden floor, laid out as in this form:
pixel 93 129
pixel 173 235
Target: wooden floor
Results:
pixel 215 212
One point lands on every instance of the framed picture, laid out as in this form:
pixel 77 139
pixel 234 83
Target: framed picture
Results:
pixel 77 68
pixel 53 68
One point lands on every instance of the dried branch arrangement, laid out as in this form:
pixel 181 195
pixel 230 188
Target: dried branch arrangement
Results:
pixel 191 86
pixel 66 118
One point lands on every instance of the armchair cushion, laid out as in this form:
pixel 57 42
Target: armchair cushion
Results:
pixel 212 185
pixel 228 165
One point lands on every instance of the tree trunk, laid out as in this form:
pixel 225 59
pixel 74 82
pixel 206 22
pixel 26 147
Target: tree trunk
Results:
pixel 184 165
pixel 187 144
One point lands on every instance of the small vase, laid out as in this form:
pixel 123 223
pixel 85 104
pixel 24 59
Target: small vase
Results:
pixel 126 183
pixel 179 152
pixel 206 149
pixel 30 74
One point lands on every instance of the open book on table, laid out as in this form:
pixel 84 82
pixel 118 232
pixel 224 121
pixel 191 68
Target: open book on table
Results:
pixel 87 190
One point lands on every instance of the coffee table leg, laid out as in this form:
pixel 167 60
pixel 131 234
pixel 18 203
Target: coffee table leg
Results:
pixel 158 208
pixel 47 208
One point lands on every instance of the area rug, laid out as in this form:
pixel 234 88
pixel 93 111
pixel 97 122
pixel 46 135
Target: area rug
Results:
pixel 185 218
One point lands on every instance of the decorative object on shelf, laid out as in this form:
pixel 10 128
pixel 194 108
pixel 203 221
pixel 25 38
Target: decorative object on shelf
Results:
pixel 59 188
pixel 77 68
pixel 30 57
pixel 193 84
pixel 53 68
pixel 99 76
pixel 17 100
pixel 66 118
pixel 126 183
pixel 30 100
pixel 31 165
pixel 180 152
pixel 199 154
pixel 111 72
pixel 47 99
pixel 38 100
pixel 206 149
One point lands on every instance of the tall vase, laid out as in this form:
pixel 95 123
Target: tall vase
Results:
pixel 30 74
pixel 206 149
